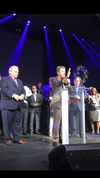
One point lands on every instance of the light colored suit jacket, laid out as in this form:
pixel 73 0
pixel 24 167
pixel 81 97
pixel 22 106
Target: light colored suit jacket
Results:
pixel 57 85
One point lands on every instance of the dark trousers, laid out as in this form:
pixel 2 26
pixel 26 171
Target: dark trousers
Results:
pixel 1 125
pixel 57 115
pixel 24 120
pixel 12 118
pixel 46 117
pixel 72 117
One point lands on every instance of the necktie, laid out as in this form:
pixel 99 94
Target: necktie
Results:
pixel 15 82
pixel 76 90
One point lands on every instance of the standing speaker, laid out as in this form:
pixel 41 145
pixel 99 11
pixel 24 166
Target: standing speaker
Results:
pixel 75 157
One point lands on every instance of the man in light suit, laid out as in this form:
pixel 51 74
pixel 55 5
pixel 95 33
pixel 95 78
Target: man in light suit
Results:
pixel 76 106
pixel 12 94
pixel 35 102
pixel 58 83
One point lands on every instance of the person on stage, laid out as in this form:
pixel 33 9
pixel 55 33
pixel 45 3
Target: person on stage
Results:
pixel 39 88
pixel 12 94
pixel 76 106
pixel 35 103
pixel 94 109
pixel 46 107
pixel 25 110
pixel 58 83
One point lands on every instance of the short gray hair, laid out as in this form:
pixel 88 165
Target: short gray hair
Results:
pixel 59 67
pixel 11 68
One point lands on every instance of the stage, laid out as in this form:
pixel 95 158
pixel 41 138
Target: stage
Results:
pixel 34 154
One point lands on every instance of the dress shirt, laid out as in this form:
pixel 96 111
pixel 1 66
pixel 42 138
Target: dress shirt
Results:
pixel 76 88
pixel 34 96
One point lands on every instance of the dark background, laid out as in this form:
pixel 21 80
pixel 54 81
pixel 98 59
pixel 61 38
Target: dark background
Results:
pixel 33 62
pixel 80 57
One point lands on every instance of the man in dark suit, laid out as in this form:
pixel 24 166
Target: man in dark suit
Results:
pixel 46 107
pixel 76 106
pixel 58 83
pixel 35 102
pixel 12 94
pixel 25 110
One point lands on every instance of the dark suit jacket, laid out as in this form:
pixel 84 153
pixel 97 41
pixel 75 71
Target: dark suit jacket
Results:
pixel 8 88
pixel 74 103
pixel 50 92
pixel 31 101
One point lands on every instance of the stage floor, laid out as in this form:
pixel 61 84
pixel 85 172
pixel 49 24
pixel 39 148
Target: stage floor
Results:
pixel 34 154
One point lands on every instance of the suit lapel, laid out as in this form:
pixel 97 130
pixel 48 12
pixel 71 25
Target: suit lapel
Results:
pixel 36 97
pixel 60 80
pixel 33 98
pixel 13 81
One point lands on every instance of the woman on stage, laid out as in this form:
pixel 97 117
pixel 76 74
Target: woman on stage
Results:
pixel 94 108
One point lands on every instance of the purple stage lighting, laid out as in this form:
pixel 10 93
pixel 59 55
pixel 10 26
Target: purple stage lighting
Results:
pixel 44 27
pixel 73 34
pixel 28 22
pixel 6 18
pixel 82 39
pixel 16 55
pixel 70 57
pixel 60 30
pixel 94 59
pixel 95 45
pixel 50 63
pixel 92 49
pixel 14 14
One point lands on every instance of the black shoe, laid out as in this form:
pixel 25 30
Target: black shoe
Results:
pixel 24 133
pixel 55 143
pixel 97 133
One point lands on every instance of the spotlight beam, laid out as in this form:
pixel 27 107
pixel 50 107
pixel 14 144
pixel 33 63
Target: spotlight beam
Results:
pixel 51 67
pixel 16 55
pixel 94 59
pixel 95 45
pixel 71 60
pixel 6 18
pixel 91 48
